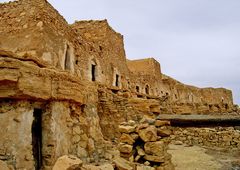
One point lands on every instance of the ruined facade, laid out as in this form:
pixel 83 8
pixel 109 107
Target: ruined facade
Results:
pixel 73 85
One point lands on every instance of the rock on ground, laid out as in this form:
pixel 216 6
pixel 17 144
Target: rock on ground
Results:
pixel 68 162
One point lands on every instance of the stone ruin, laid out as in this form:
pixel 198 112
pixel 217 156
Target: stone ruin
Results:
pixel 146 144
pixel 65 89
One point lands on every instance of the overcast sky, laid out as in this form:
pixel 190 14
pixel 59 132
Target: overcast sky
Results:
pixel 196 41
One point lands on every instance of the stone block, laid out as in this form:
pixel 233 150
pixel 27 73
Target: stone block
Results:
pixel 153 158
pixel 126 138
pixel 126 129
pixel 122 164
pixel 164 132
pixel 155 148
pixel 67 162
pixel 148 134
pixel 160 123
pixel 125 148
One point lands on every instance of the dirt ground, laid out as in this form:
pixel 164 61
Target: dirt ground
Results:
pixel 198 158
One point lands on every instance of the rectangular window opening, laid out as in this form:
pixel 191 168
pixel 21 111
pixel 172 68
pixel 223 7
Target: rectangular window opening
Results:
pixel 137 89
pixel 117 80
pixel 93 72
pixel 67 62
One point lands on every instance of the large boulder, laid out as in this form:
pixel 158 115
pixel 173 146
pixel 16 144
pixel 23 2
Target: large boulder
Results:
pixel 68 162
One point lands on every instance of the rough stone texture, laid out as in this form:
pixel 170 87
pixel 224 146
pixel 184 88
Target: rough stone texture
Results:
pixel 222 137
pixel 126 138
pixel 149 150
pixel 154 158
pixel 155 148
pixel 126 129
pixel 47 64
pixel 125 148
pixel 16 121
pixel 67 162
pixel 105 166
pixel 148 134
pixel 122 164
pixel 3 166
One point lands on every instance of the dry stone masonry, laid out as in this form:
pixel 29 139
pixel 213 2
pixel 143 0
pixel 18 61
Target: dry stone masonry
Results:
pixel 222 137
pixel 146 143
pixel 65 89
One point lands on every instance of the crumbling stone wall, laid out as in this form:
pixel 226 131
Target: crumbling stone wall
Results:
pixel 146 143
pixel 47 64
pixel 116 106
pixel 70 122
pixel 37 32
pixel 67 129
pixel 107 47
pixel 222 137
pixel 190 99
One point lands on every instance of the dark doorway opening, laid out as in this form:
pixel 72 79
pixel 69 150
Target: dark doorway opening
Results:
pixel 147 89
pixel 93 70
pixel 117 80
pixel 137 89
pixel 37 138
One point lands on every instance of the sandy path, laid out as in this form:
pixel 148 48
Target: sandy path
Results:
pixel 192 158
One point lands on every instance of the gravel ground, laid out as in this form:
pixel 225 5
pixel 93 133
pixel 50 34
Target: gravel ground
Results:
pixel 198 158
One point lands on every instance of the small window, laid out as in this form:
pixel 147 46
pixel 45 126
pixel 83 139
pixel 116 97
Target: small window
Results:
pixel 117 80
pixel 137 89
pixel 147 89
pixel 67 63
pixel 93 71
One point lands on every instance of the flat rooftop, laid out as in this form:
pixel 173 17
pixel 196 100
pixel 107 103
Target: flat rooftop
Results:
pixel 201 120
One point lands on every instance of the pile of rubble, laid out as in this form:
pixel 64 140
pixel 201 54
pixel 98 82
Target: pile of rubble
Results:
pixel 146 143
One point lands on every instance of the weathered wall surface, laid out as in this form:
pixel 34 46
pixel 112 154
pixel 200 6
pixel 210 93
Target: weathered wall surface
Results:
pixel 70 119
pixel 107 49
pixel 67 128
pixel 21 21
pixel 36 31
pixel 145 66
pixel 47 64
pixel 190 99
pixel 26 79
pixel 42 35
pixel 146 77
pixel 15 129
pixel 222 137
